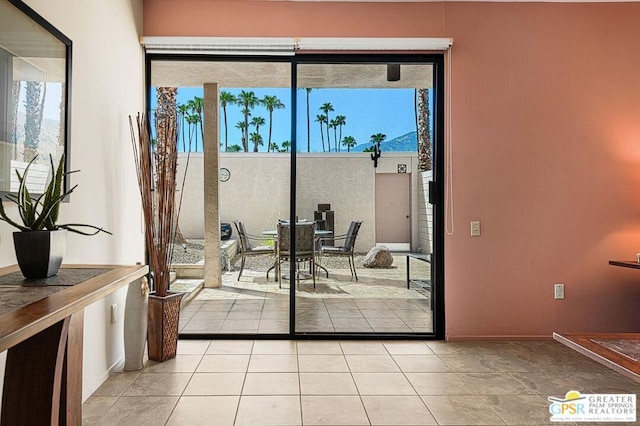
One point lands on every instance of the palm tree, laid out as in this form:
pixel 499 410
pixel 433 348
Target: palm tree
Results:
pixel 63 114
pixel 166 98
pixel 34 107
pixel 273 147
pixel 321 118
pixel 234 148
pixel 245 136
pixel 256 139
pixel 186 114
pixel 308 118
pixel 226 98
pixel 378 138
pixel 192 128
pixel 285 146
pixel 197 107
pixel 257 122
pixel 242 126
pixel 271 103
pixel 15 101
pixel 326 107
pixel 341 120
pixel 349 142
pixel 334 125
pixel 248 100
pixel 183 111
pixel 425 161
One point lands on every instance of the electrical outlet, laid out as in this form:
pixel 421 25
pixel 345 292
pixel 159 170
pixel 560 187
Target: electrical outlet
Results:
pixel 114 313
pixel 558 291
pixel 475 228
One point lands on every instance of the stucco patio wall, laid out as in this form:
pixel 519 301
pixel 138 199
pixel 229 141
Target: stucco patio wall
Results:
pixel 258 190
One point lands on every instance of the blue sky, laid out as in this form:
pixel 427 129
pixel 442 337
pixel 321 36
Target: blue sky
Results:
pixel 367 111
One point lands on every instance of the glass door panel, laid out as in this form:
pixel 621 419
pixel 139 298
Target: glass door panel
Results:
pixel 360 178
pixel 253 191
pixel 357 136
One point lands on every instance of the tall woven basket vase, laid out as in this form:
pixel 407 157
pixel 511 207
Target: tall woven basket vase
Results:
pixel 162 331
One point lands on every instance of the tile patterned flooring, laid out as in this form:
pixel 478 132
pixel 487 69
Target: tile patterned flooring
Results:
pixel 271 315
pixel 281 382
pixel 378 302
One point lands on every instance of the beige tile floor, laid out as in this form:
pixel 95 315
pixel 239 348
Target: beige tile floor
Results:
pixel 269 382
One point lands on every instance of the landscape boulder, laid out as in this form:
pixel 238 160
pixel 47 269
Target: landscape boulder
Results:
pixel 378 257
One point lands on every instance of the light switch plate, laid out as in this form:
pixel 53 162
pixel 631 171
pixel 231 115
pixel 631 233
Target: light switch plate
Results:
pixel 475 228
pixel 558 291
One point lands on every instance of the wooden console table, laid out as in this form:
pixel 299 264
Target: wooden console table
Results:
pixel 41 325
pixel 625 263
pixel 594 345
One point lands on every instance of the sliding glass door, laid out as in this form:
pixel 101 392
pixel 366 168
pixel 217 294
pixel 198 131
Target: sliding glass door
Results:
pixel 326 169
pixel 251 192
pixel 363 124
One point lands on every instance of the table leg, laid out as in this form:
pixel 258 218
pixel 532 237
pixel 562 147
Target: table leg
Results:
pixel 33 378
pixel 71 395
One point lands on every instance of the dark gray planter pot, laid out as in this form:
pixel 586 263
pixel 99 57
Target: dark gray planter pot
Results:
pixel 40 253
pixel 225 231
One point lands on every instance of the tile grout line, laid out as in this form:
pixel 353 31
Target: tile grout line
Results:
pixel 299 383
pixel 477 394
pixel 246 372
pixel 187 385
pixel 404 374
pixel 364 407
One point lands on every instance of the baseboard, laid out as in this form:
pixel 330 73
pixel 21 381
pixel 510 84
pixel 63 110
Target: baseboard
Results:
pixel 91 388
pixel 496 337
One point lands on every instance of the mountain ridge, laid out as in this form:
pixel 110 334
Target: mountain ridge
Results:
pixel 404 143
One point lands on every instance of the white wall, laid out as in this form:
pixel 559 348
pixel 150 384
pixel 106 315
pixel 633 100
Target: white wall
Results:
pixel 258 190
pixel 107 86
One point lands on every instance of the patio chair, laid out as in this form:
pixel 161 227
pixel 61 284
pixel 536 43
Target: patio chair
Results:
pixel 345 250
pixel 247 249
pixel 304 252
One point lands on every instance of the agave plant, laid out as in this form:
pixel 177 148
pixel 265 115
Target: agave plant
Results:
pixel 41 213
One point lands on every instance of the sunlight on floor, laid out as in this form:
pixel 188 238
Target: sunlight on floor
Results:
pixel 378 302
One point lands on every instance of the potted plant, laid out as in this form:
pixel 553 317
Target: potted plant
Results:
pixel 40 242
pixel 156 165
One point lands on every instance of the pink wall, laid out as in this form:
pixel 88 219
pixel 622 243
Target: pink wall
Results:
pixel 546 147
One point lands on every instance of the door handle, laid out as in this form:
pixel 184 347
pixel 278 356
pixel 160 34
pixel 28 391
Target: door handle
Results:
pixel 433 196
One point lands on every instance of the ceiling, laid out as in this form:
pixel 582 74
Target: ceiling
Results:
pixel 230 74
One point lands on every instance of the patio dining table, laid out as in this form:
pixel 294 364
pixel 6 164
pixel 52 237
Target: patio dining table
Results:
pixel 273 233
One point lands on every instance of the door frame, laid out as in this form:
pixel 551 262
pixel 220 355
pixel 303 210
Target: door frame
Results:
pixel 437 262
pixel 437 265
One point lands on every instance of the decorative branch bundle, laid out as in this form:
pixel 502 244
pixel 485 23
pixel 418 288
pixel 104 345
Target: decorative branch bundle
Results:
pixel 156 163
